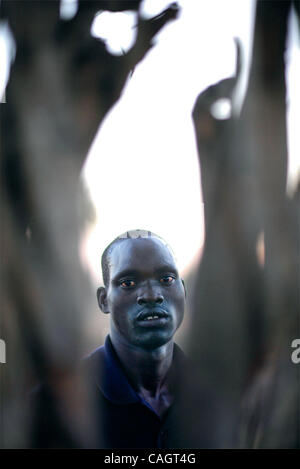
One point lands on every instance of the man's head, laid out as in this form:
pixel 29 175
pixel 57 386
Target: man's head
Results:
pixel 141 282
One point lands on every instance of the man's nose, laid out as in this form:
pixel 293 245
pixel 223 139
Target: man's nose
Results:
pixel 150 295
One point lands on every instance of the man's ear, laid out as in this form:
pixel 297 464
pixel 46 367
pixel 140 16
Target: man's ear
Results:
pixel 184 287
pixel 102 300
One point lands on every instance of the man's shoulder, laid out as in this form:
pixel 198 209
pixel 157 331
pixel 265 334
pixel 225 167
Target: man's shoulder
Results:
pixel 94 359
pixel 94 354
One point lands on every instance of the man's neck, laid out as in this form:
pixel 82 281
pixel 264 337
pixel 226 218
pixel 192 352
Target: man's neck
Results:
pixel 147 369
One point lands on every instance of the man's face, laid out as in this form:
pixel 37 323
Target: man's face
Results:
pixel 144 283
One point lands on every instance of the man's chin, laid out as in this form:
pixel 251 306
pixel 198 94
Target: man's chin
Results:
pixel 154 340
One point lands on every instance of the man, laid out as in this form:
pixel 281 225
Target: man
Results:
pixel 145 298
pixel 145 392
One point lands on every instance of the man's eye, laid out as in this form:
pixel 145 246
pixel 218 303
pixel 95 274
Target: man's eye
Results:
pixel 128 283
pixel 167 279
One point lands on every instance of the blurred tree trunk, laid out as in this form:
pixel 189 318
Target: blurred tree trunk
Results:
pixel 61 86
pixel 272 405
pixel 245 316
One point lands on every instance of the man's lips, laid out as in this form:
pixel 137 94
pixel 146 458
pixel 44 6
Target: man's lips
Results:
pixel 152 314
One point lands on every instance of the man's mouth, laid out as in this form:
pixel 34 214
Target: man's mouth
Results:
pixel 153 318
pixel 150 318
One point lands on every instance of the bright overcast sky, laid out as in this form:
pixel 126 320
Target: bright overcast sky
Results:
pixel 142 169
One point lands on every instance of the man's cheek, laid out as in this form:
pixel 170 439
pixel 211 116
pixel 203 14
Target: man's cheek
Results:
pixel 113 300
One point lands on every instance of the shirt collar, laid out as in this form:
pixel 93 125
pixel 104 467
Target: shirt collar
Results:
pixel 111 379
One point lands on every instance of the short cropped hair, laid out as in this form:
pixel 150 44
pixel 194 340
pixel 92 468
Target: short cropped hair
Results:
pixel 132 234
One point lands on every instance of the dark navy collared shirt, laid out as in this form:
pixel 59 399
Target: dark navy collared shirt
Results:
pixel 127 419
pixel 195 419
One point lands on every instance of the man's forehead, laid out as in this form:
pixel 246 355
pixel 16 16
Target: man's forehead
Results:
pixel 141 253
